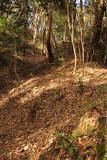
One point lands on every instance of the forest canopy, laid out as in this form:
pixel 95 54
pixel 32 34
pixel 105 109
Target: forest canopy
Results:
pixel 78 26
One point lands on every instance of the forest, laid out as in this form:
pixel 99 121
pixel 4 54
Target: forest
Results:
pixel 53 80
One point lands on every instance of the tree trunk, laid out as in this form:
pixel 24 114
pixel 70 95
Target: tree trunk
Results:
pixel 36 20
pixel 82 34
pixel 13 63
pixel 64 34
pixel 44 32
pixel 71 19
pixel 99 14
pixel 81 14
pixel 49 30
pixel 54 40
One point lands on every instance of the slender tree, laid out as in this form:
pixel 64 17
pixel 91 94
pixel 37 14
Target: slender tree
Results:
pixel 71 14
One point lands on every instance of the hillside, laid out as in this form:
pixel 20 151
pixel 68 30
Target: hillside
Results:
pixel 47 99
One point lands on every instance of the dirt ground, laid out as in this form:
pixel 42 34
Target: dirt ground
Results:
pixel 46 99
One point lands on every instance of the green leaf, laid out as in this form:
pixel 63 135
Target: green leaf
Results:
pixel 2 22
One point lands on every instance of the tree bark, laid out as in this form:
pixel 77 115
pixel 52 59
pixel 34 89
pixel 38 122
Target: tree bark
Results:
pixel 81 13
pixel 82 34
pixel 99 14
pixel 49 30
pixel 97 26
pixel 71 14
